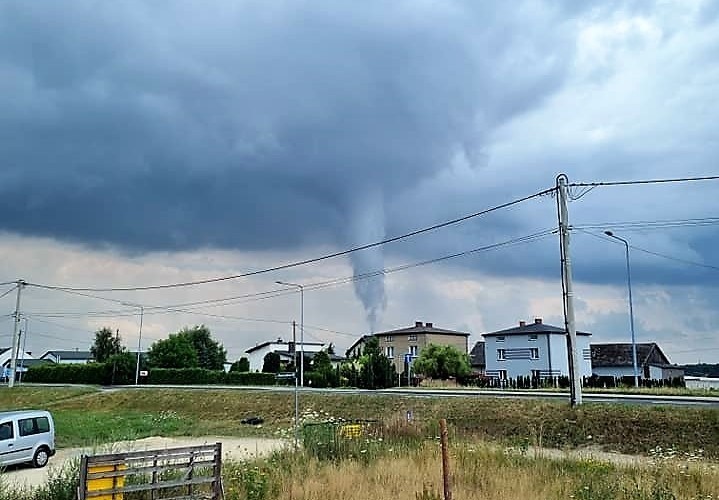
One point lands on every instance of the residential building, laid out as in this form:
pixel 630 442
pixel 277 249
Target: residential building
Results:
pixel 477 358
pixel 395 344
pixel 68 357
pixel 616 360
pixel 533 349
pixel 256 355
pixel 6 356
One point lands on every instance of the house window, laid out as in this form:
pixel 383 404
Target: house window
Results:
pixel 389 338
pixel 502 374
pixel 501 355
pixel 412 338
pixel 533 336
pixel 413 350
pixel 534 353
pixel 500 338
pixel 390 351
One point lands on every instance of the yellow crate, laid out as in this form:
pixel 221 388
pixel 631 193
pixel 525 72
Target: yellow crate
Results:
pixel 351 431
pixel 107 482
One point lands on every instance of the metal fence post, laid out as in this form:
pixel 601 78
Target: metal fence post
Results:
pixel 217 493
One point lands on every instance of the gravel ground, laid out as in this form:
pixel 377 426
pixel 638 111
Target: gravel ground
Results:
pixel 232 448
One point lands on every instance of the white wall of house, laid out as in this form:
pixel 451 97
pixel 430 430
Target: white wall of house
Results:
pixel 257 357
pixel 702 383
pixel 550 351
pixel 5 357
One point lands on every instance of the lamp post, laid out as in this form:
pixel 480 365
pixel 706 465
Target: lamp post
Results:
pixel 631 307
pixel 302 328
pixel 139 340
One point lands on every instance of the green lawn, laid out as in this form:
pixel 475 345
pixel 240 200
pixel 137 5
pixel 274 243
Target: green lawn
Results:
pixel 86 417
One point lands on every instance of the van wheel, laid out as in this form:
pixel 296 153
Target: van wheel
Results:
pixel 42 455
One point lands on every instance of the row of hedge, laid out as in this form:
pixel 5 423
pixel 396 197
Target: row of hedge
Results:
pixel 107 374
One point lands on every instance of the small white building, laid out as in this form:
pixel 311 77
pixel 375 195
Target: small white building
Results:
pixel 533 350
pixel 256 355
pixel 709 383
pixel 6 357
pixel 68 357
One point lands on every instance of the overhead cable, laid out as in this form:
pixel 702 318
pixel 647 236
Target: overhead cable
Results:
pixel 305 261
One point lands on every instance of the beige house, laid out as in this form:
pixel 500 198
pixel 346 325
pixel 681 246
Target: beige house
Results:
pixel 396 344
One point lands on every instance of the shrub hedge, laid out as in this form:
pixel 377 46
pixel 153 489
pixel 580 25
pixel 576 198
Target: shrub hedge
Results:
pixel 102 374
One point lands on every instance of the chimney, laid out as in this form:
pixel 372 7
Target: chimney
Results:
pixel 418 324
pixel 537 321
pixel 522 323
pixel 428 325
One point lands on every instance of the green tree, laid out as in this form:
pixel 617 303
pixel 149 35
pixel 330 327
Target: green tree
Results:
pixel 176 351
pixel 442 362
pixel 106 344
pixel 241 365
pixel 210 353
pixel 122 368
pixel 271 363
pixel 323 372
pixel 377 371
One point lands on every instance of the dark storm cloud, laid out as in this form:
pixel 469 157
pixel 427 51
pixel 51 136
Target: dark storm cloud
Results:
pixel 256 125
pixel 250 125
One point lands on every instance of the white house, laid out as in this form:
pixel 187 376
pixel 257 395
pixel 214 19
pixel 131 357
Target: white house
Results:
pixel 256 355
pixel 68 357
pixel 617 360
pixel 534 349
pixel 6 356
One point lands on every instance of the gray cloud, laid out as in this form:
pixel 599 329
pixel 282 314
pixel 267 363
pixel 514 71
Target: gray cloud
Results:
pixel 177 125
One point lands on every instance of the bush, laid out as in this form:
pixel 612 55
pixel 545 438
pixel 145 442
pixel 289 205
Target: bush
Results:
pixel 91 373
pixel 250 378
pixel 184 376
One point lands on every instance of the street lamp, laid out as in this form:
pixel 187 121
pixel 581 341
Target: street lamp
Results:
pixel 139 340
pixel 302 328
pixel 631 307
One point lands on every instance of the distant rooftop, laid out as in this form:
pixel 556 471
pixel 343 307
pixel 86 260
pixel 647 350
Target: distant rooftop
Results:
pixel 537 326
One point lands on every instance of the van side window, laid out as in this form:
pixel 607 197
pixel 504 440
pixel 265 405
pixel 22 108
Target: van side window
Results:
pixel 32 426
pixel 6 431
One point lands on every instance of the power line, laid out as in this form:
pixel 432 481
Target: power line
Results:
pixel 646 181
pixel 652 224
pixel 650 252
pixel 274 293
pixel 306 261
pixel 8 291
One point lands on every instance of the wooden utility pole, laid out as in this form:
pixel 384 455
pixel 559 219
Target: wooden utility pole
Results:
pixel 446 474
pixel 568 293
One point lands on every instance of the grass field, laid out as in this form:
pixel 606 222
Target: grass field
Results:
pixel 492 443
pixel 89 417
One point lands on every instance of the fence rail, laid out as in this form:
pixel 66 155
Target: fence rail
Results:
pixel 187 473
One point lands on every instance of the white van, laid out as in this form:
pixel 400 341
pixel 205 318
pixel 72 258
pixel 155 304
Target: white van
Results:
pixel 26 436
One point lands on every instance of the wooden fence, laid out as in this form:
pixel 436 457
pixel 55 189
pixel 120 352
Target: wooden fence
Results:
pixel 190 473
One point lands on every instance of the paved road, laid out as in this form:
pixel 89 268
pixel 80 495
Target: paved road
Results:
pixel 593 397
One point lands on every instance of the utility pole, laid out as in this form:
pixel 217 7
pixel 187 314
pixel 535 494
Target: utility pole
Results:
pixel 15 339
pixel 568 293
pixel 139 347
pixel 22 352
pixel 297 398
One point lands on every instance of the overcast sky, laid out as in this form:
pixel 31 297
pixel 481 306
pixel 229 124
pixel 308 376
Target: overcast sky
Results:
pixel 150 142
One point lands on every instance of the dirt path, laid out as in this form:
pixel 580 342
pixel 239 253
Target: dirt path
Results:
pixel 233 448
